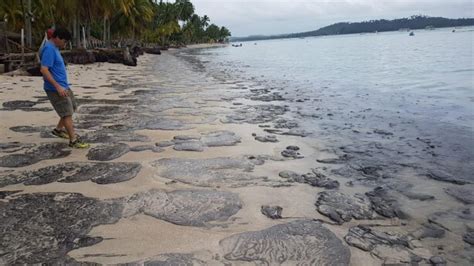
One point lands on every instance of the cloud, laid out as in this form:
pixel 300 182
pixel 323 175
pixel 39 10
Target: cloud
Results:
pixel 245 17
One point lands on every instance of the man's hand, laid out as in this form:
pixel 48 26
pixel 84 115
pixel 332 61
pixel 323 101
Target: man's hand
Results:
pixel 62 91
pixel 47 75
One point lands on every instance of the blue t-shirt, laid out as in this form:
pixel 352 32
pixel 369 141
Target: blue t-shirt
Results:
pixel 51 58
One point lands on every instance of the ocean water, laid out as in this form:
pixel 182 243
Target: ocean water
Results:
pixel 410 96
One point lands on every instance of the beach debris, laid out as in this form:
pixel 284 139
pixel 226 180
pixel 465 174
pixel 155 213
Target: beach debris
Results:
pixel 100 173
pixel 107 152
pixel 297 242
pixel 272 212
pixel 385 203
pixel 207 172
pixel 151 50
pixel 292 152
pixel 42 152
pixel 464 194
pixel 342 208
pixel 127 56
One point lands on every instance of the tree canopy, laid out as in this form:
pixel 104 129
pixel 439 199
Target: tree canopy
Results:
pixel 152 21
pixel 413 22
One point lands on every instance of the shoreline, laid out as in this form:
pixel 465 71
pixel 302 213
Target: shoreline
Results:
pixel 157 102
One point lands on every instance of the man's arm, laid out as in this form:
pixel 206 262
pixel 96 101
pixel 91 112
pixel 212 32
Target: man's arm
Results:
pixel 47 75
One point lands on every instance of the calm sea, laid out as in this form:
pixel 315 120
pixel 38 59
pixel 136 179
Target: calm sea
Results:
pixel 359 89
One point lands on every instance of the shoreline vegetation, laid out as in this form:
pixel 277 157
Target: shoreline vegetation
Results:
pixel 102 31
pixel 415 22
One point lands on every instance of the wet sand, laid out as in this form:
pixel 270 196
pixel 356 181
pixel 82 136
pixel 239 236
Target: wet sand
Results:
pixel 202 179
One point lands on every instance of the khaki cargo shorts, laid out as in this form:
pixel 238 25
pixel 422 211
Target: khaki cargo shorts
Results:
pixel 64 106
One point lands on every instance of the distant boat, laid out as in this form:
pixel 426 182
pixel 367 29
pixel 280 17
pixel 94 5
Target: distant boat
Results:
pixel 411 34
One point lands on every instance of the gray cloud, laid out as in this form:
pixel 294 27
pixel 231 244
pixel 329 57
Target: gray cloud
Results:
pixel 245 17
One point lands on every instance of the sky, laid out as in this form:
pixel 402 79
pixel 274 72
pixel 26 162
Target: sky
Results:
pixel 269 17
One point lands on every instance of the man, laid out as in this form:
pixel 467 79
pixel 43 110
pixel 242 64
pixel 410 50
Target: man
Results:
pixel 57 87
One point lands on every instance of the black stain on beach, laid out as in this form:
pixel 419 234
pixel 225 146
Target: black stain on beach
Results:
pixel 315 179
pixel 100 173
pixel 42 152
pixel 184 207
pixel 27 106
pixel 342 208
pixel 207 172
pixel 49 225
pixel 211 139
pixel 298 242
pixel 107 152
pixel 387 246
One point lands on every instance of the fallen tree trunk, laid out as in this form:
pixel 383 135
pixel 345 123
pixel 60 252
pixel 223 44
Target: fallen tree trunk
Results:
pixel 79 56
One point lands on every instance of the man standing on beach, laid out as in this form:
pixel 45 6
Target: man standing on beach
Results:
pixel 57 87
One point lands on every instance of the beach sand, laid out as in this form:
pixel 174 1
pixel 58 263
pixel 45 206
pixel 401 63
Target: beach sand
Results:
pixel 164 97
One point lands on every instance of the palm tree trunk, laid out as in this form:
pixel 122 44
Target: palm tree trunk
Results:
pixel 109 39
pixel 105 30
pixel 75 32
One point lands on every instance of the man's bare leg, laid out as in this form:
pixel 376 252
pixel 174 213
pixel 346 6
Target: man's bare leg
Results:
pixel 67 122
pixel 60 124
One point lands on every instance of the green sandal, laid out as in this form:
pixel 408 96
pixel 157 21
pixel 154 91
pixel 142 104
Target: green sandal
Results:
pixel 79 144
pixel 60 133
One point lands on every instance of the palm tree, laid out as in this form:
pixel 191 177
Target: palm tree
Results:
pixel 11 12
pixel 185 9
pixel 205 21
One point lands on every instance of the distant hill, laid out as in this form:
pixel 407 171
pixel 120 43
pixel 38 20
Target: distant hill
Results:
pixel 413 22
